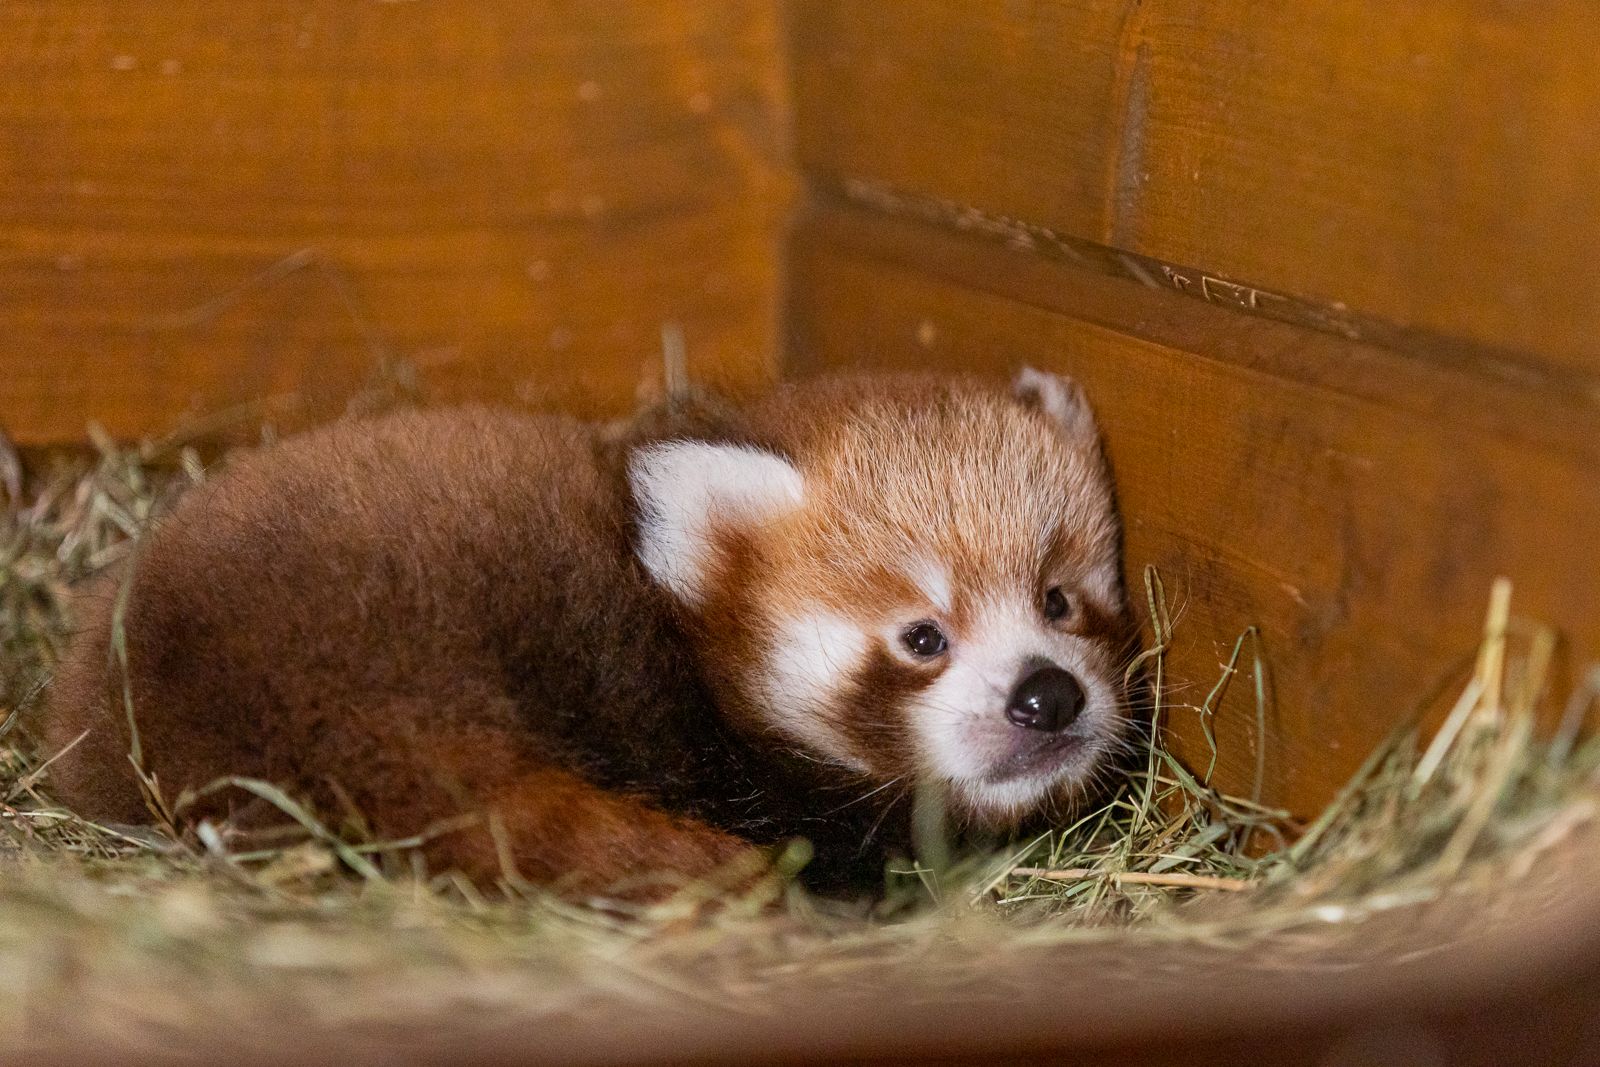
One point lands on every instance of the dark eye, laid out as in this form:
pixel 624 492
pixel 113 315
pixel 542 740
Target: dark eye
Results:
pixel 1056 604
pixel 925 640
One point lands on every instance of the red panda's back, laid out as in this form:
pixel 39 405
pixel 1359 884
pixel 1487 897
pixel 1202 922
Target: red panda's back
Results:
pixel 342 602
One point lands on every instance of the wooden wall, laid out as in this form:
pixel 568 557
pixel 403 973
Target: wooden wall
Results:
pixel 1324 268
pixel 203 203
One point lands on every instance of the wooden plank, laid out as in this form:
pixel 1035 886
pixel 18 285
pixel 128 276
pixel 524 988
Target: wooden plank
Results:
pixel 1429 166
pixel 204 203
pixel 1352 503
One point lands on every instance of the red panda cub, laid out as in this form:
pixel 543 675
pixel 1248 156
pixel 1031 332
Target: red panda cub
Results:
pixel 618 656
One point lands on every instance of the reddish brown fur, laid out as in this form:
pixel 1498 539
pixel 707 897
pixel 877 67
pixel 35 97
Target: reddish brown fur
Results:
pixel 340 610
pixel 959 442
pixel 442 612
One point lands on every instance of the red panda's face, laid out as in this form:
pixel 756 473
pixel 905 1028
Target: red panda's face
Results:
pixel 927 587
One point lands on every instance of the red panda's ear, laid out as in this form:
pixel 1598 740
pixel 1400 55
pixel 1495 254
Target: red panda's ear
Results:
pixel 688 492
pixel 1062 399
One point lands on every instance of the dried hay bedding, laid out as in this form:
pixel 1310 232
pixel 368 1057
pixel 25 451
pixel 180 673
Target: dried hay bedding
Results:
pixel 132 937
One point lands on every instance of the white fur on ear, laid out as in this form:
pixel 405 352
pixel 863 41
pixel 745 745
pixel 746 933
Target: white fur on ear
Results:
pixel 686 490
pixel 1062 399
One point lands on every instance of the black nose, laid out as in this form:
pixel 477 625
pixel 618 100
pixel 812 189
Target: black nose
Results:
pixel 1049 699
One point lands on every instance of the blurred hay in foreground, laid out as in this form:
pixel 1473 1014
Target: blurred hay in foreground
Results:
pixel 138 930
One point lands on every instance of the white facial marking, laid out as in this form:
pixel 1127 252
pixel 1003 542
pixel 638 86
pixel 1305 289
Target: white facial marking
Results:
pixel 686 488
pixel 963 695
pixel 975 686
pixel 961 719
pixel 1104 584
pixel 813 657
pixel 933 579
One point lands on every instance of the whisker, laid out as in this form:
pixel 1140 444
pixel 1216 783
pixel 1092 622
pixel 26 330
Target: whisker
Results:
pixel 869 793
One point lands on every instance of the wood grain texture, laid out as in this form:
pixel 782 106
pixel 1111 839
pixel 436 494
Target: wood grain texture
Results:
pixel 1352 503
pixel 1429 165
pixel 204 203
